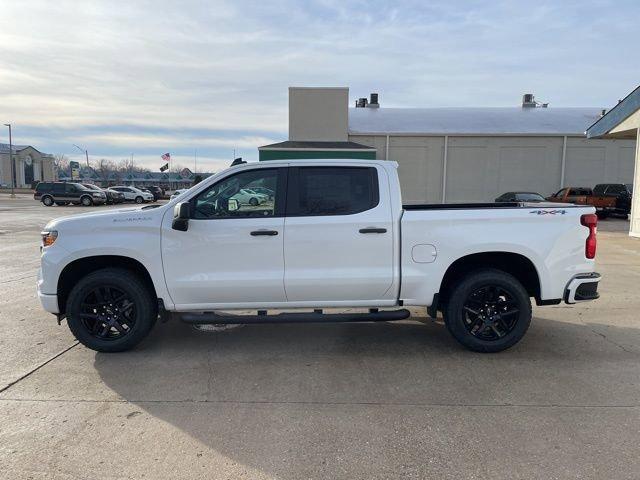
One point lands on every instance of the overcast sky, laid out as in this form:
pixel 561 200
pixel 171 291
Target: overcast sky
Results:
pixel 145 78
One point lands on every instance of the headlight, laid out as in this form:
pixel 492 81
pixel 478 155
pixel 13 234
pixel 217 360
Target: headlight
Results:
pixel 49 237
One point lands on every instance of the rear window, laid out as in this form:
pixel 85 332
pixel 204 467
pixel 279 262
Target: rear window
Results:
pixel 333 191
pixel 599 189
pixel 43 186
pixel 615 189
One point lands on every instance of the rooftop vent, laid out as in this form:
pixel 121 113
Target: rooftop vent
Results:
pixel 371 103
pixel 529 101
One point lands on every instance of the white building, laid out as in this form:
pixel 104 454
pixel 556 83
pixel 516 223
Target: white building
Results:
pixel 457 154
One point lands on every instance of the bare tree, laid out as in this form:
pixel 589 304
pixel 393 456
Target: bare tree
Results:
pixel 61 161
pixel 104 168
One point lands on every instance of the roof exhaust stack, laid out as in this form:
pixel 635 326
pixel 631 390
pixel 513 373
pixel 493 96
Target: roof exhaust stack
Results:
pixel 529 101
pixel 372 102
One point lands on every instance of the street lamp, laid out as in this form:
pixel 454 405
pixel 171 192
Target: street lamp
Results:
pixel 86 153
pixel 13 169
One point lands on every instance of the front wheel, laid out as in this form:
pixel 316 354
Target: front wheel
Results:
pixel 488 311
pixel 86 201
pixel 139 200
pixel 110 310
pixel 253 202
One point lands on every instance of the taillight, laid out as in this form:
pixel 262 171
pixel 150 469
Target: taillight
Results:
pixel 590 220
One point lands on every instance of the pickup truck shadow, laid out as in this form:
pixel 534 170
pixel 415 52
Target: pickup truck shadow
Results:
pixel 281 400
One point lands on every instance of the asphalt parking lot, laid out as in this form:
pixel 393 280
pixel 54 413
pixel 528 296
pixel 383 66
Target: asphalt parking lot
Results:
pixel 320 401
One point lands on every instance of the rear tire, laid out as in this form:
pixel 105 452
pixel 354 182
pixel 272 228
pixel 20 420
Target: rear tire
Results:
pixel 488 311
pixel 47 201
pixel 111 310
pixel 253 202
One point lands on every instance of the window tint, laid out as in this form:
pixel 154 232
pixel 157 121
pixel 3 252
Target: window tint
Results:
pixel 529 197
pixel 71 188
pixel 333 191
pixel 235 197
pixel 615 189
pixel 560 192
pixel 58 187
pixel 42 186
pixel 599 189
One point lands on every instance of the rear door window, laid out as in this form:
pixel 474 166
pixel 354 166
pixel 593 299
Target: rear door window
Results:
pixel 332 190
pixel 58 188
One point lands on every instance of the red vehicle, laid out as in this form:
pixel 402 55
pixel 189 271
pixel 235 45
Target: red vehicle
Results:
pixel 577 195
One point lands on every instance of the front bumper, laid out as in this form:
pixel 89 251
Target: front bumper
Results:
pixel 48 302
pixel 582 288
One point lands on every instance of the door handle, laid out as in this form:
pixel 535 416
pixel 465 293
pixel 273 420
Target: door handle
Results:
pixel 373 230
pixel 266 233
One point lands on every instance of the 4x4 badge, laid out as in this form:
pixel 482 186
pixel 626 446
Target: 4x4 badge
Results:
pixel 548 212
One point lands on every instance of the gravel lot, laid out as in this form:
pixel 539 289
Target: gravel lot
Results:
pixel 320 401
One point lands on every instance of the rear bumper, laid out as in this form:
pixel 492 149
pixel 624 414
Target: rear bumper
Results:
pixel 582 288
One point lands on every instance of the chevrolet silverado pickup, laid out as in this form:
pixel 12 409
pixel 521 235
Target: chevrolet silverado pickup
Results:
pixel 333 234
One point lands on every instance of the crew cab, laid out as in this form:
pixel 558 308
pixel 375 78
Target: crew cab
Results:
pixel 333 234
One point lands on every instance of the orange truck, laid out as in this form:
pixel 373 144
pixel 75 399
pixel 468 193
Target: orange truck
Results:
pixel 577 195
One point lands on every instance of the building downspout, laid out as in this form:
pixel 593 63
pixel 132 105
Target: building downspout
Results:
pixel 386 148
pixel 564 159
pixel 444 169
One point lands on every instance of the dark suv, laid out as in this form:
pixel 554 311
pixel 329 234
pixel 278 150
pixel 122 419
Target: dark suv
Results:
pixel 63 193
pixel 156 191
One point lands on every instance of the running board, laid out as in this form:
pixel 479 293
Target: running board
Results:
pixel 208 318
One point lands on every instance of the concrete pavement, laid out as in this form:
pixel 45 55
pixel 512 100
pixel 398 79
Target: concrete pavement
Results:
pixel 384 400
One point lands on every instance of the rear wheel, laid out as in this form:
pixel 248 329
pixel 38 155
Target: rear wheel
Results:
pixel 253 201
pixel 47 200
pixel 488 311
pixel 110 310
pixel 86 201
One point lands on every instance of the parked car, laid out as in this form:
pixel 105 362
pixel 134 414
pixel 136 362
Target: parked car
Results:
pixel 348 241
pixel 133 194
pixel 180 191
pixel 611 198
pixel 577 195
pixel 113 197
pixel 247 196
pixel 156 191
pixel 265 191
pixel 520 197
pixel 63 193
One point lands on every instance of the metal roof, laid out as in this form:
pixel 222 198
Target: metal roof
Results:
pixel 473 121
pixel 293 144
pixel 626 107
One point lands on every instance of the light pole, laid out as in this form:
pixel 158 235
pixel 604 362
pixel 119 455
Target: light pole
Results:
pixel 86 153
pixel 13 168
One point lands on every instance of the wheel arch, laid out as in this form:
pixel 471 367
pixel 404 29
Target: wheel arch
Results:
pixel 85 265
pixel 516 264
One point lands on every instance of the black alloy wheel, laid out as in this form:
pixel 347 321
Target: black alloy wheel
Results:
pixel 111 310
pixel 108 313
pixel 488 310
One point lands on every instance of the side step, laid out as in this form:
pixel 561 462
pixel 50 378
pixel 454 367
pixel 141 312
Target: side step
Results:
pixel 208 318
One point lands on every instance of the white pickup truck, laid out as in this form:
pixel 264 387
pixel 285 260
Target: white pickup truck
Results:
pixel 328 233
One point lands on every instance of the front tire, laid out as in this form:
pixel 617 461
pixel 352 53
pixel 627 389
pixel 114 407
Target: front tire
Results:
pixel 86 201
pixel 111 310
pixel 139 200
pixel 488 311
pixel 47 201
pixel 253 202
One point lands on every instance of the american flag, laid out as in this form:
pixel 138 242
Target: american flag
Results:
pixel 166 157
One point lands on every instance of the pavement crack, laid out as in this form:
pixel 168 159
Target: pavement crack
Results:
pixel 608 340
pixel 33 370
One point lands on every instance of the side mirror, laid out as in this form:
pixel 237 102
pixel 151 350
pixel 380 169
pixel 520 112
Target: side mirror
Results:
pixel 181 214
pixel 233 205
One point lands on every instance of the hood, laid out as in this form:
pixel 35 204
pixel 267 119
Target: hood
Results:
pixel 119 216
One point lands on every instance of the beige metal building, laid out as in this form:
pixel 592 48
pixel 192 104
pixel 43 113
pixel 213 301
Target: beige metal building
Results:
pixel 457 154
pixel 31 166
